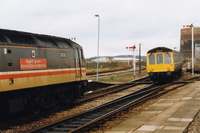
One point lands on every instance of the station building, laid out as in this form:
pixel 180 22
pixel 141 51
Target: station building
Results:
pixel 186 42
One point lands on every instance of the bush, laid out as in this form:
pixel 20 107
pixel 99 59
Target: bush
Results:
pixel 112 77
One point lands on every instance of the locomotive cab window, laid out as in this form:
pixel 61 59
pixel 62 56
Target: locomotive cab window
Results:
pixel 159 59
pixel 151 59
pixel 167 58
pixel 2 39
pixel 21 39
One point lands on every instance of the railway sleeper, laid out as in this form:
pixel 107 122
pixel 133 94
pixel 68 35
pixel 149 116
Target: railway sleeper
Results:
pixel 61 129
pixel 71 125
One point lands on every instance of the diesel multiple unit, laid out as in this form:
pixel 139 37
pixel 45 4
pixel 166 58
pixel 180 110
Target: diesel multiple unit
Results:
pixel 38 71
pixel 162 63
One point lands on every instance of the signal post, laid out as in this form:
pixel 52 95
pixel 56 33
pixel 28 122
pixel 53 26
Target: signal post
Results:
pixel 134 67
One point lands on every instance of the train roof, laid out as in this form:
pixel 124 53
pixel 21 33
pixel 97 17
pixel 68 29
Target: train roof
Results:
pixel 160 49
pixel 20 38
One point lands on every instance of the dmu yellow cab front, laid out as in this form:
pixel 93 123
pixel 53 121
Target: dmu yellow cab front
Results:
pixel 163 63
pixel 162 59
pixel 160 62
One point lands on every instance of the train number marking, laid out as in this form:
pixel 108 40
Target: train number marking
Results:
pixel 33 64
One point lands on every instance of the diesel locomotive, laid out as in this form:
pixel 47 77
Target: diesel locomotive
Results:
pixel 163 64
pixel 39 71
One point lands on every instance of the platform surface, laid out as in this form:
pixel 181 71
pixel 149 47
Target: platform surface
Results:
pixel 170 115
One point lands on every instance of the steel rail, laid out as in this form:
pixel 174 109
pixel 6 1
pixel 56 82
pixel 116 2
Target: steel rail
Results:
pixel 108 90
pixel 110 73
pixel 114 88
pixel 93 115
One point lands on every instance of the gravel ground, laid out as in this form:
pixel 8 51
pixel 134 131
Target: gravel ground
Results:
pixel 130 113
pixel 25 127
pixel 194 126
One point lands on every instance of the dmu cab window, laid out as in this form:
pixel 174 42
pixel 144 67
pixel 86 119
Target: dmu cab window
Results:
pixel 167 58
pixel 159 59
pixel 152 59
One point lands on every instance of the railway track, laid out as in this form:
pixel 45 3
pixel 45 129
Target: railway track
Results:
pixel 94 94
pixel 111 73
pixel 35 120
pixel 95 114
pixel 83 121
pixel 113 89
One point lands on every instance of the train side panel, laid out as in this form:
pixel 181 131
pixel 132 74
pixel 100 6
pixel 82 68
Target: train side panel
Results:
pixel 56 68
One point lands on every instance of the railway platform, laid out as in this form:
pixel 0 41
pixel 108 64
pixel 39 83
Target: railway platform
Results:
pixel 170 115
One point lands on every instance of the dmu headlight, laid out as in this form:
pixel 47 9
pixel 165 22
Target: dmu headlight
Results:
pixel 168 69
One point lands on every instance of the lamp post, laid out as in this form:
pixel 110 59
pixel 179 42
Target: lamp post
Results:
pixel 139 58
pixel 192 49
pixel 192 28
pixel 97 77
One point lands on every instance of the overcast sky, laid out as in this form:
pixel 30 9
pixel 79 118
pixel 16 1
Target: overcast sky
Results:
pixel 123 23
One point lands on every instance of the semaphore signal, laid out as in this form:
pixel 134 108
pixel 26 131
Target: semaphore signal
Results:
pixel 189 26
pixel 131 48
